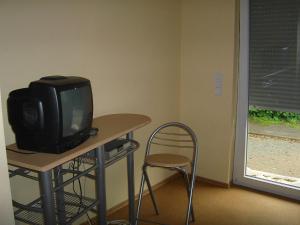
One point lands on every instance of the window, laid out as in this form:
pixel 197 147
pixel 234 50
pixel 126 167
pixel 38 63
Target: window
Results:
pixel 274 72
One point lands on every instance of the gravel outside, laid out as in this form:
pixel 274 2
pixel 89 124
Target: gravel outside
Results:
pixel 273 152
pixel 274 155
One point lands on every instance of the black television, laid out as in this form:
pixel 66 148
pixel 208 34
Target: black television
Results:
pixel 53 115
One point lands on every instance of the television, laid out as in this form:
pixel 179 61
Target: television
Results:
pixel 53 115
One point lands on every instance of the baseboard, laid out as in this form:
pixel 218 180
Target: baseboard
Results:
pixel 212 182
pixel 162 183
pixel 154 187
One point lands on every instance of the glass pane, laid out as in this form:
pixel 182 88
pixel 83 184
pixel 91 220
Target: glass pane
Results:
pixel 274 50
pixel 76 109
pixel 273 151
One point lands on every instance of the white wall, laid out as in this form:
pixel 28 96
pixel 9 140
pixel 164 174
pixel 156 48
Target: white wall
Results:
pixel 129 49
pixel 6 209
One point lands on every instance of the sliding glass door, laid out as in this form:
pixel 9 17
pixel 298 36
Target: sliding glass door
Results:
pixel 267 155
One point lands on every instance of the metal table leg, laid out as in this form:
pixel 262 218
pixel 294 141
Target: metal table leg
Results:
pixel 100 186
pixel 46 191
pixel 60 200
pixel 130 177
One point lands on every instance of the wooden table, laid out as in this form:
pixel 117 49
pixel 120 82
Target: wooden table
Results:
pixel 110 127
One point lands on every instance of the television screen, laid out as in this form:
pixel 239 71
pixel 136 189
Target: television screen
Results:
pixel 75 115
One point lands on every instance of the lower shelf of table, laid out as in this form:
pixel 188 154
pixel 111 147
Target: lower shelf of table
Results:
pixel 75 206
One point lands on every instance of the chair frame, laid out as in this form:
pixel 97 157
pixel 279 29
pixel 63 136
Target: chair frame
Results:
pixel 190 217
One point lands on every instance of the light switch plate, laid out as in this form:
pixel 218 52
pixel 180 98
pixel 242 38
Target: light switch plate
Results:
pixel 218 78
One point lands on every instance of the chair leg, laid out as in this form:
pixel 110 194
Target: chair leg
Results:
pixel 191 189
pixel 186 178
pixel 150 189
pixel 140 199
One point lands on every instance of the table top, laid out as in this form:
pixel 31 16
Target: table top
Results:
pixel 110 127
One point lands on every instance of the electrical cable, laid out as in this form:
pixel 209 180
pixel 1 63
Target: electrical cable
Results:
pixel 76 168
pixel 75 165
pixel 89 219
pixel 79 184
pixel 84 189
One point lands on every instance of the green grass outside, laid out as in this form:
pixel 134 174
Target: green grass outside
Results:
pixel 271 117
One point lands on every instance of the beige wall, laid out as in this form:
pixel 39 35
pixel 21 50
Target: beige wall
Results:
pixel 130 50
pixel 207 45
pixel 142 56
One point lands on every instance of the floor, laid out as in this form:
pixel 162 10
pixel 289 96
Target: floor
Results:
pixel 218 206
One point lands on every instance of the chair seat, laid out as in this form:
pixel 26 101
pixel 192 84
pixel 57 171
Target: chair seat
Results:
pixel 167 160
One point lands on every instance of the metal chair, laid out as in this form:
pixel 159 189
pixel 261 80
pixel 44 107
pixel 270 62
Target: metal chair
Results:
pixel 173 137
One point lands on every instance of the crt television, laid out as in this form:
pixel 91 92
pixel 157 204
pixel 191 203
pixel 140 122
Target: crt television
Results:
pixel 54 114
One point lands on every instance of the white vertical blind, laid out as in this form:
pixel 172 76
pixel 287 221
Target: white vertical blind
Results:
pixel 274 80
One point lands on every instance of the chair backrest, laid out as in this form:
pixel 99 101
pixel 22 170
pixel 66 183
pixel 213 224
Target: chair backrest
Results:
pixel 174 135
